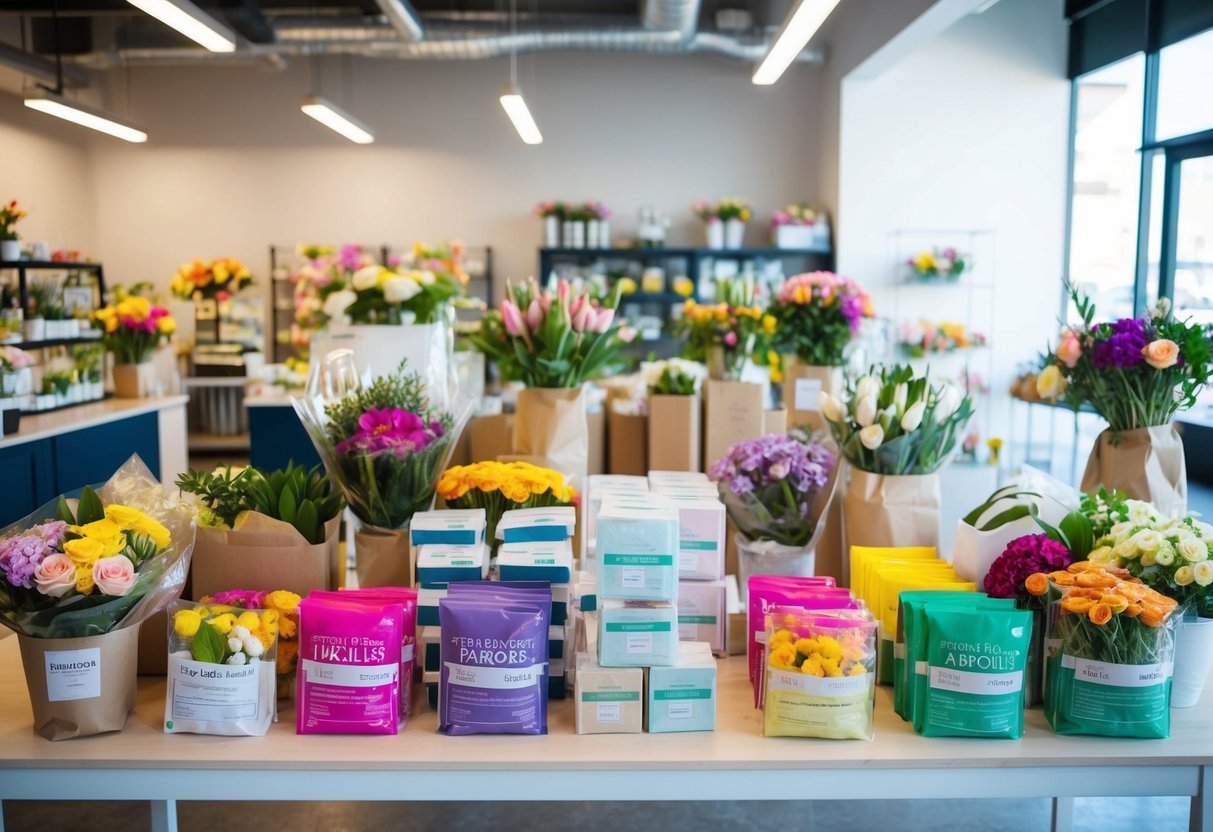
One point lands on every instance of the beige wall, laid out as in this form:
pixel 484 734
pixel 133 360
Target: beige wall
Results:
pixel 233 165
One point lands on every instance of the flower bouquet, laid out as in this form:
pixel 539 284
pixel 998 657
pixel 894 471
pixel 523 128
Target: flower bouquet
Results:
pixel 385 445
pixel 675 412
pixel 10 245
pixel 939 264
pixel 931 338
pixel 216 280
pixel 725 221
pixel 444 260
pixel 226 657
pixel 498 487
pixel 263 531
pixel 800 226
pixel 554 342
pixel 820 678
pixel 77 577
pixel 1136 373
pixel 326 271
pixel 133 328
pixel 286 605
pixel 896 430
pixel 1110 649
pixel 729 334
pixel 776 490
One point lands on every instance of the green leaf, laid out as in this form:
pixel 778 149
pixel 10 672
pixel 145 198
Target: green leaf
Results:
pixel 287 507
pixel 64 512
pixel 90 509
pixel 1012 514
pixel 207 645
pixel 307 521
pixel 1078 533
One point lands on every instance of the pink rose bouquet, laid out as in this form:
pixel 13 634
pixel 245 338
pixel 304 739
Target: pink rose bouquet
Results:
pixel 88 566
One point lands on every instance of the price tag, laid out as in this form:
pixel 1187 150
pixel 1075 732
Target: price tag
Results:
pixel 807 395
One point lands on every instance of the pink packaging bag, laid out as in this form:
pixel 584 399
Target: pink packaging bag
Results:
pixel 767 591
pixel 407 598
pixel 349 666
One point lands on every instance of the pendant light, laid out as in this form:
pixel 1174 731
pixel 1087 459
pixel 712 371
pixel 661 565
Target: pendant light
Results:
pixel 190 21
pixel 511 97
pixel 331 116
pixel 798 29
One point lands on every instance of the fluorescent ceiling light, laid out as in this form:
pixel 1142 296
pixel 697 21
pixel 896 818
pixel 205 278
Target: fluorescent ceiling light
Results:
pixel 334 118
pixel 403 17
pixel 515 107
pixel 798 29
pixel 56 105
pixel 190 21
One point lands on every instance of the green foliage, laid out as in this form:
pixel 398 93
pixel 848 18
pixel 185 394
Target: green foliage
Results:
pixel 1016 510
pixel 817 335
pixel 398 389
pixel 296 495
pixel 674 382
pixel 207 645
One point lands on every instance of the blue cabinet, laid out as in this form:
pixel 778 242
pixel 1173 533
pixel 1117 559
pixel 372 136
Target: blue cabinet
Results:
pixel 276 437
pixel 28 479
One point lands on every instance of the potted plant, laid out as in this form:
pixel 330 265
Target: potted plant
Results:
pixel 725 221
pixel 41 300
pixel 12 362
pixel 939 264
pixel 134 328
pixel 552 214
pixel 796 227
pixel 10 243
pixel 675 413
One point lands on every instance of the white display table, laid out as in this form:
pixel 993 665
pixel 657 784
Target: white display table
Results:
pixel 734 763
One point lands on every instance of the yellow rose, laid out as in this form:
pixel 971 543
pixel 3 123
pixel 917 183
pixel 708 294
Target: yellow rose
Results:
pixel 223 623
pixel 166 325
pixel 98 529
pixel 84 579
pixel 249 620
pixel 1050 383
pixel 158 533
pixel 83 551
pixel 186 623
pixel 783 656
pixel 124 517
pixel 282 601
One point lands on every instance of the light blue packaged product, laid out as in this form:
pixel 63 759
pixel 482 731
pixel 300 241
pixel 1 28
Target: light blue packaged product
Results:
pixel 440 563
pixel 539 560
pixel 683 697
pixel 533 524
pixel 638 553
pixel 637 633
pixel 427 605
pixel 660 478
pixel 457 525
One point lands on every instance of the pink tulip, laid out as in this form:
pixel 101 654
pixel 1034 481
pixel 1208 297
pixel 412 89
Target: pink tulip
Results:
pixel 534 316
pixel 605 318
pixel 584 318
pixel 581 300
pixel 730 339
pixel 562 293
pixel 514 324
pixel 545 301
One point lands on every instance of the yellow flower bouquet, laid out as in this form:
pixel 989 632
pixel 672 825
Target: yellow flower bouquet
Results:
pixel 820 679
pixel 218 279
pixel 498 487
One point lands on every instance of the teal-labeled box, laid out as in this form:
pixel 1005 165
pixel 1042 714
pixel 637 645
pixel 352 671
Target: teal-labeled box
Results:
pixel 536 560
pixel 526 525
pixel 440 563
pixel 454 525
pixel 637 633
pixel 682 697
pixel 637 551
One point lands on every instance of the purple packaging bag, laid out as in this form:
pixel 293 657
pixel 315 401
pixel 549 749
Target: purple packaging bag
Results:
pixel 494 666
pixel 349 667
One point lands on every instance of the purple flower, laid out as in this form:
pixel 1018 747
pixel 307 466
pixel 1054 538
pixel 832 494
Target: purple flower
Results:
pixel 52 531
pixel 20 556
pixel 852 310
pixel 1024 556
pixel 1122 347
pixel 351 258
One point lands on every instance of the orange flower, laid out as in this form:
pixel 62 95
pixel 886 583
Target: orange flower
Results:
pixel 1152 616
pixel 1037 584
pixel 1133 610
pixel 1092 578
pixel 1062 578
pixel 1118 603
pixel 1100 614
pixel 1076 605
pixel 1083 566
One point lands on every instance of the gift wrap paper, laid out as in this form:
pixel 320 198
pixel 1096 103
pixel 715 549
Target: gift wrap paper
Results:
pixel 264 555
pixel 881 510
pixel 382 557
pixel 551 425
pixel 674 433
pixel 1146 464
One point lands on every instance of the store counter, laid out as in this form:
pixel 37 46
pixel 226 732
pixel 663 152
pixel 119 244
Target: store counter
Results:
pixel 58 452
pixel 733 763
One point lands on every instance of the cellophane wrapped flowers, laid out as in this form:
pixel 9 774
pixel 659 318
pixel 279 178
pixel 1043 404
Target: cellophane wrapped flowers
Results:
pixel 769 486
pixel 1023 557
pixel 819 677
pixel 498 487
pixel 107 560
pixel 284 606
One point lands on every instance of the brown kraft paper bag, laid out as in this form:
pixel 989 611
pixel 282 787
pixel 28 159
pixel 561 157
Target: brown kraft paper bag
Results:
pixel 733 412
pixel 382 557
pixel 775 421
pixel 490 436
pixel 80 686
pixel 1146 464
pixel 550 424
pixel 627 444
pixel 596 463
pixel 674 433
pixel 264 554
pixel 802 387
pixel 881 510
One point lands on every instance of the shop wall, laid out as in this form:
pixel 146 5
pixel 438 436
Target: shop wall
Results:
pixel 967 132
pixel 233 165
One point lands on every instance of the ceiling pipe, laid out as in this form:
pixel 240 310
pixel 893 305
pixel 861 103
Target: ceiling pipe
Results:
pixel 40 68
pixel 404 19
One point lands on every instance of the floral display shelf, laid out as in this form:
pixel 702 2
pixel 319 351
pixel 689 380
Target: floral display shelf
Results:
pixel 733 763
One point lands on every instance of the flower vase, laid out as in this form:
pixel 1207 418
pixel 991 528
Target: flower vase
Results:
pixel 10 250
pixel 593 234
pixel 132 381
pixel 35 329
pixel 715 232
pixel 551 231
pixel 675 430
pixel 734 234
pixel 891 510
pixel 94 696
pixel 803 385
pixel 604 234
pixel 766 557
pixel 382 557
pixel 1146 464
pixel 1193 659
pixel 578 234
pixel 566 234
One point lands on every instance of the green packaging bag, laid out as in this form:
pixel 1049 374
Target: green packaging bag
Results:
pixel 889 583
pixel 975 672
pixel 910 650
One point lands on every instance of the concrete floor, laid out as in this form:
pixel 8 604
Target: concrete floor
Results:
pixel 1091 815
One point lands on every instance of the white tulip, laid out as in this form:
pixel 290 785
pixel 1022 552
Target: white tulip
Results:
pixel 366 278
pixel 948 402
pixel 398 289
pixel 913 417
pixel 867 386
pixel 831 407
pixel 899 396
pixel 865 411
pixel 425 277
pixel 336 303
pixel 871 437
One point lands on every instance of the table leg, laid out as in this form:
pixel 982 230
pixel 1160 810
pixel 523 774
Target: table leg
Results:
pixel 164 816
pixel 1063 814
pixel 1200 816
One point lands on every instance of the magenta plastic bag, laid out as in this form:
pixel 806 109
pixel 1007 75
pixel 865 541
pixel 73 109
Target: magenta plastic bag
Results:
pixel 494 665
pixel 767 591
pixel 349 666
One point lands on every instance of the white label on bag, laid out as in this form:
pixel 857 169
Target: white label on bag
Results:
pixel 639 643
pixel 808 393
pixel 495 678
pixel 1118 675
pixel 350 675
pixel 213 692
pixel 73 674
pixel 610 712
pixel 984 684
pixel 818 685
pixel 899 650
